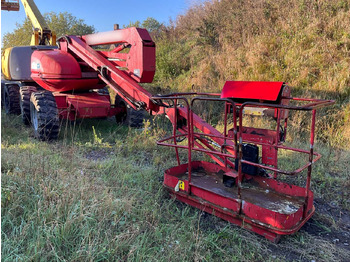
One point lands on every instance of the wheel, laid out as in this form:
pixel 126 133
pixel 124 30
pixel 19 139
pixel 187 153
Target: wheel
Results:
pixel 120 117
pixel 2 94
pixel 135 117
pixel 24 102
pixel 127 115
pixel 44 115
pixel 11 99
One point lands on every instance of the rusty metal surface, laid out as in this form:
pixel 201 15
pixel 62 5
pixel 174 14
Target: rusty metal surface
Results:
pixel 251 192
pixel 266 203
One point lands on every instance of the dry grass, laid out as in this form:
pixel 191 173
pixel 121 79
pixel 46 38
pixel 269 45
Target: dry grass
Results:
pixel 304 43
pixel 96 195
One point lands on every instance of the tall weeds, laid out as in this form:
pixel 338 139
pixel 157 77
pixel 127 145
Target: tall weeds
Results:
pixel 305 43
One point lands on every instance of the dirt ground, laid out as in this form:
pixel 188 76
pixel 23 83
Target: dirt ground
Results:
pixel 330 224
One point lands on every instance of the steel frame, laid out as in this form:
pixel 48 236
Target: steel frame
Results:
pixel 207 200
pixel 84 105
pixel 234 206
pixel 125 83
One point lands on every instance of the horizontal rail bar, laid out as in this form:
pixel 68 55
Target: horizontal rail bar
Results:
pixel 172 137
pixel 187 94
pixel 161 142
pixel 171 145
pixel 308 107
pixel 290 173
pixel 213 152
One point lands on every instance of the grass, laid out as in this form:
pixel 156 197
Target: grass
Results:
pixel 96 195
pixel 301 42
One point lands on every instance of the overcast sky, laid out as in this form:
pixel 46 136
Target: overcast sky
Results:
pixel 103 14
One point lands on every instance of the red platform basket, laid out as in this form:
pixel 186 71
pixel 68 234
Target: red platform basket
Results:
pixel 261 203
pixel 10 5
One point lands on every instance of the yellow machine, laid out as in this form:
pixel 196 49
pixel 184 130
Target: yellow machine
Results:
pixel 4 63
pixel 15 61
pixel 42 35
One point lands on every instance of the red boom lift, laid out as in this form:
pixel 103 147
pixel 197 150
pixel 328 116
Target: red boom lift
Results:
pixel 236 186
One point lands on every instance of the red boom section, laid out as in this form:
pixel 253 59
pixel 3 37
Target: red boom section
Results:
pixel 140 62
pixel 124 83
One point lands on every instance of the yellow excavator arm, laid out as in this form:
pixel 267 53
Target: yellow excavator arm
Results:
pixel 42 35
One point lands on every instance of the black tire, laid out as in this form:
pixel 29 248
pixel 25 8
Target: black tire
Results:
pixel 127 115
pixel 2 94
pixel 24 102
pixel 121 116
pixel 135 117
pixel 44 115
pixel 11 99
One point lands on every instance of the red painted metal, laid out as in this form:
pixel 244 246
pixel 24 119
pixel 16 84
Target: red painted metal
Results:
pixel 139 61
pixel 76 66
pixel 119 80
pixel 264 205
pixel 10 5
pixel 59 71
pixel 267 205
pixel 84 105
pixel 267 91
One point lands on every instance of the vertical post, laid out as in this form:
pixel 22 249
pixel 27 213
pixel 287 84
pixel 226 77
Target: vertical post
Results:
pixel 235 128
pixel 240 156
pixel 191 122
pixel 311 154
pixel 285 128
pixel 227 107
pixel 189 138
pixel 174 131
pixel 277 141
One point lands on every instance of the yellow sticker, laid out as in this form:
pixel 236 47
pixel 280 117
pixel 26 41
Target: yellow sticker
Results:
pixel 181 185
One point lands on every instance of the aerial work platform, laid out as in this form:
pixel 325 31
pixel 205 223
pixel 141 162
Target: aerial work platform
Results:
pixel 244 183
pixel 10 5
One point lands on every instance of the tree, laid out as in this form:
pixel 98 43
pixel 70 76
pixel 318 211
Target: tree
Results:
pixel 151 24
pixel 133 24
pixel 61 23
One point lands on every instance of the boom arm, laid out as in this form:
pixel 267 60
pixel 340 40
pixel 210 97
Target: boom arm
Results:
pixel 42 35
pixel 140 67
pixel 139 63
